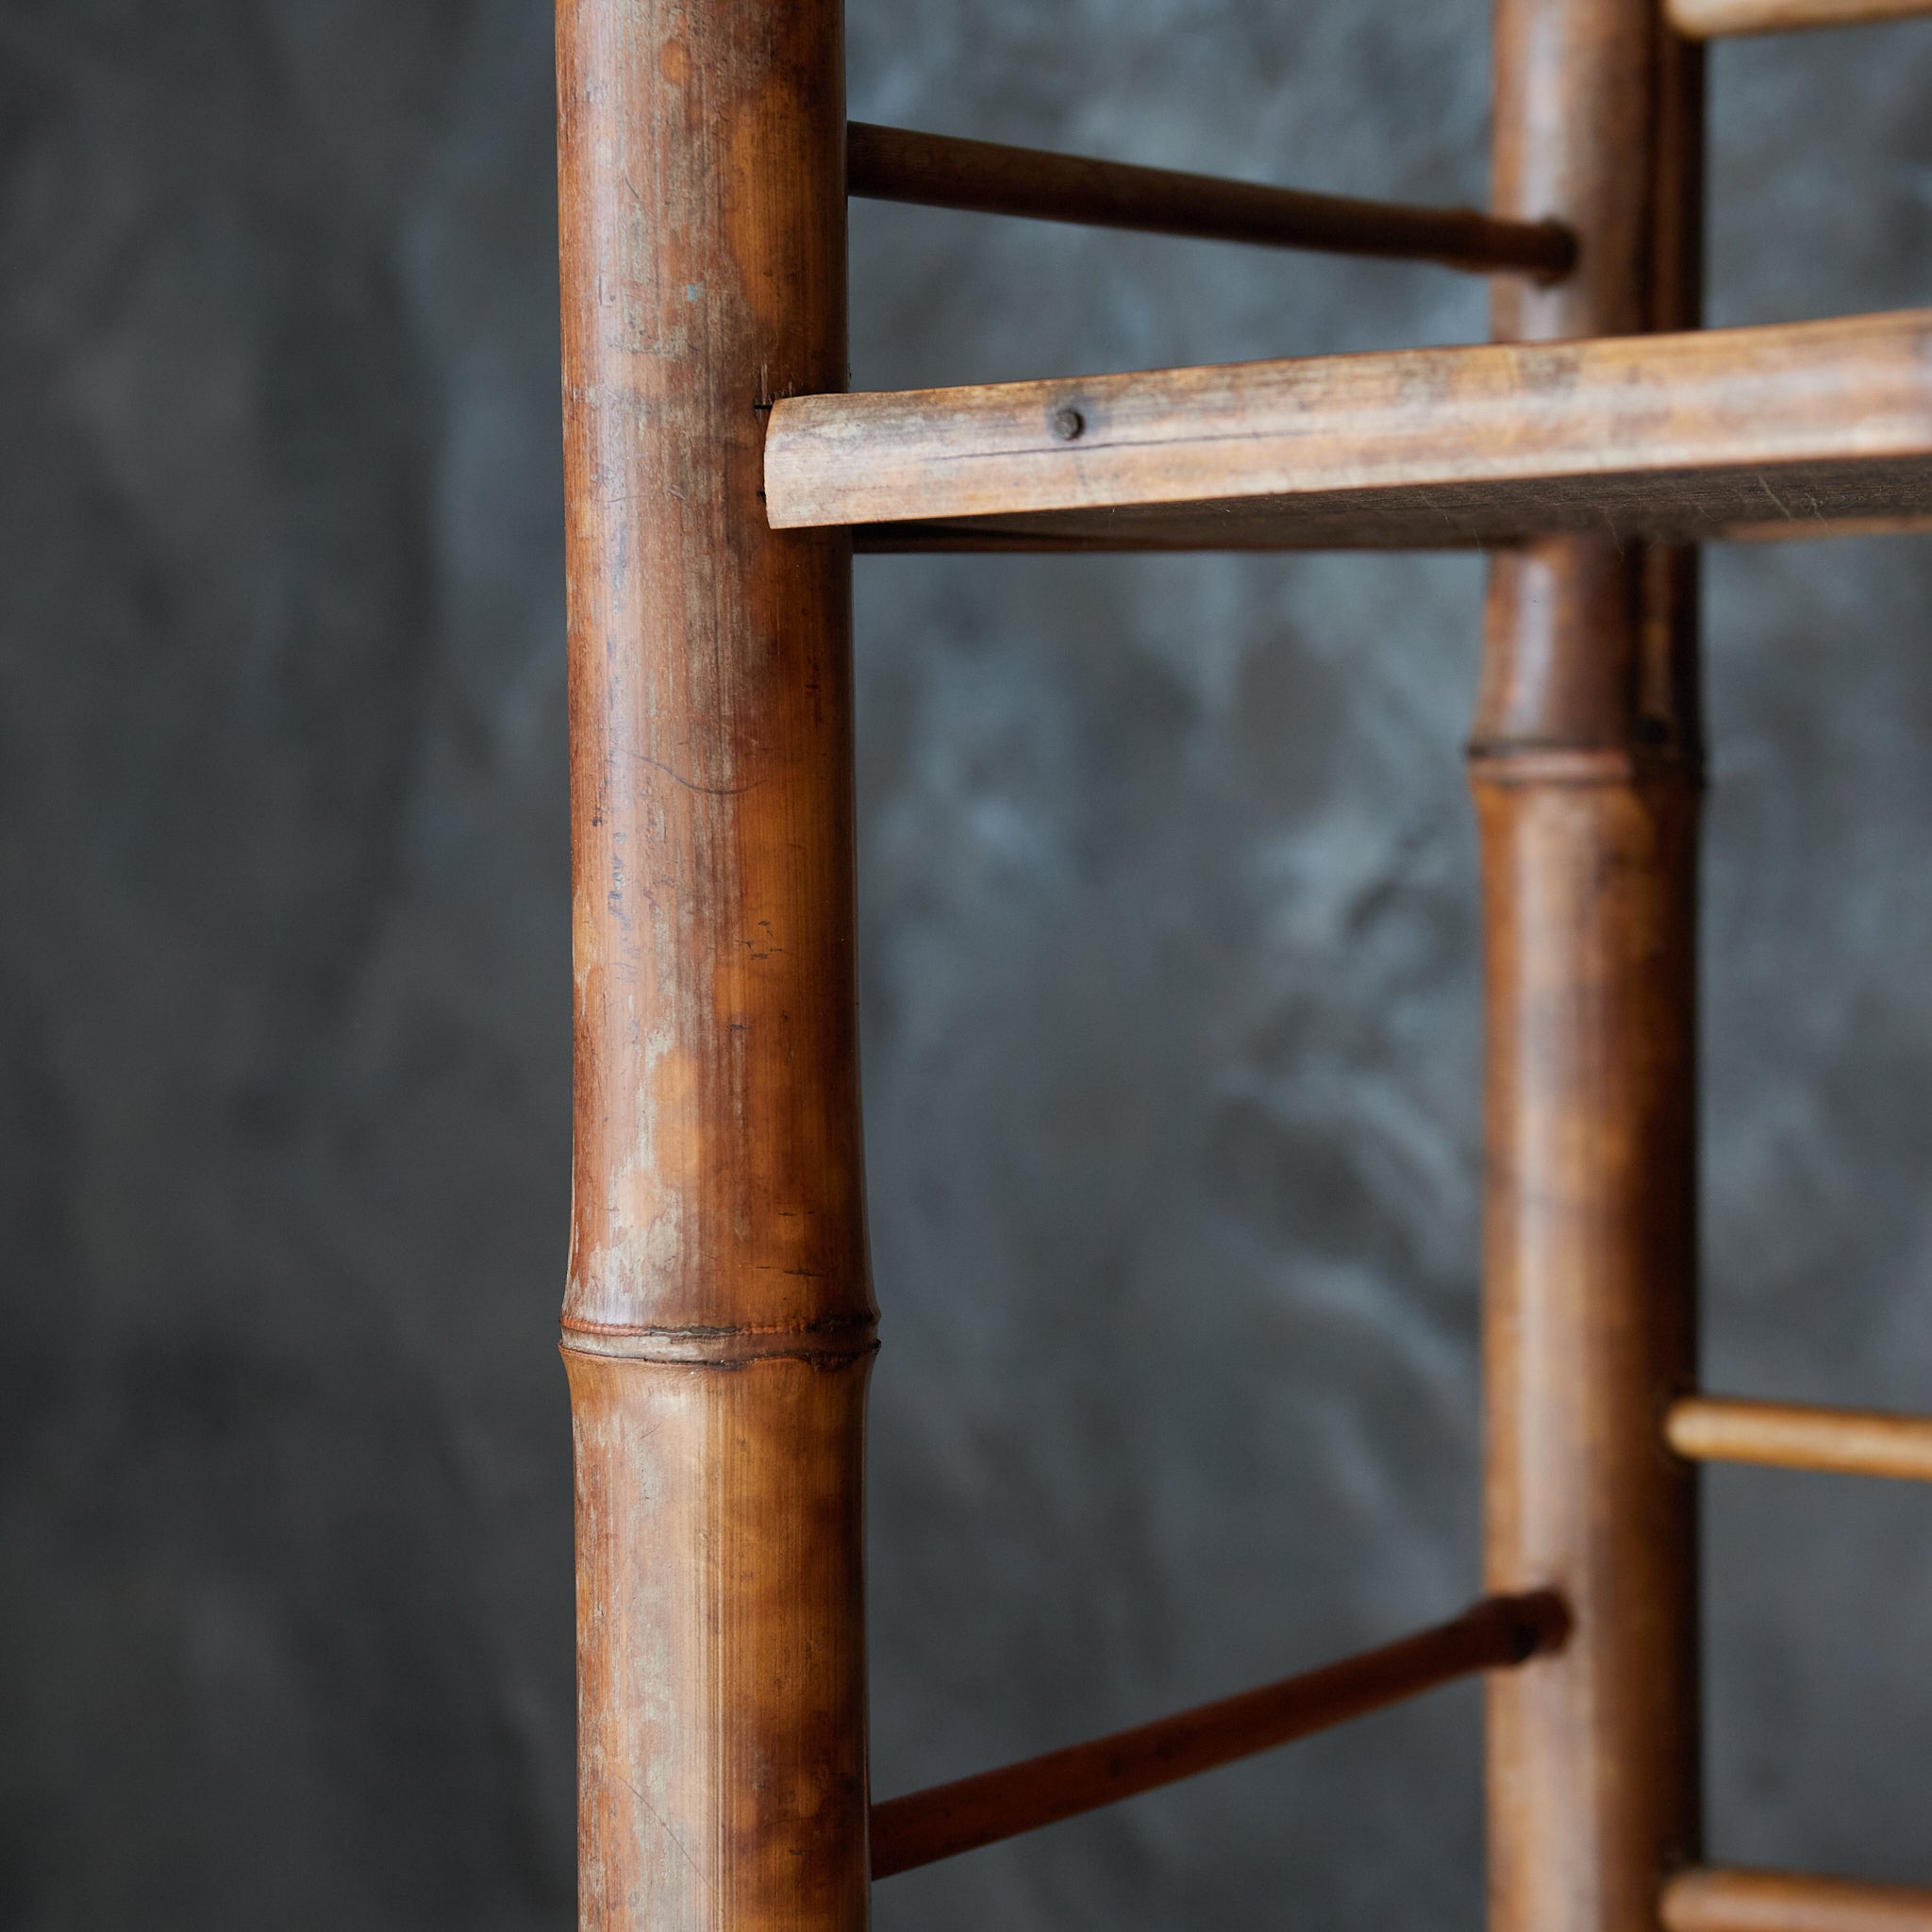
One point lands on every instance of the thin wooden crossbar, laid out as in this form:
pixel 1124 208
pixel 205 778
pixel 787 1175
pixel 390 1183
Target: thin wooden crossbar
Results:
pixel 987 177
pixel 1721 1901
pixel 1707 20
pixel 1672 435
pixel 949 1819
pixel 1782 1434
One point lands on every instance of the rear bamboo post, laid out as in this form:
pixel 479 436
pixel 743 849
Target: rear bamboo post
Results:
pixel 718 1323
pixel 1585 765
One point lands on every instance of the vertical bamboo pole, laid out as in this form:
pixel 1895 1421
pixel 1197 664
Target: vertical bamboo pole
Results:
pixel 1586 769
pixel 718 1323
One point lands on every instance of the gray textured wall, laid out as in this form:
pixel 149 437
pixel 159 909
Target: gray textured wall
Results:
pixel 1169 981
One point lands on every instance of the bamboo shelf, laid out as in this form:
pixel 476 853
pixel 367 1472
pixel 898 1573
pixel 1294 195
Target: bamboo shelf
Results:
pixel 719 1322
pixel 1696 435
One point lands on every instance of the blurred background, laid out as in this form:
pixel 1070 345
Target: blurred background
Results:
pixel 1171 1021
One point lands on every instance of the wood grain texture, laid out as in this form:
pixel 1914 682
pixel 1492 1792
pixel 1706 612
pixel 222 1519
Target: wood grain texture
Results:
pixel 958 1817
pixel 1684 434
pixel 717 1315
pixel 1783 1435
pixel 986 178
pixel 1585 764
pixel 1720 1901
pixel 1706 20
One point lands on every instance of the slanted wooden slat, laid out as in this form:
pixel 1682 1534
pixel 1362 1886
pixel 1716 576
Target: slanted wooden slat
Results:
pixel 986 178
pixel 1719 1901
pixel 1684 436
pixel 1783 1435
pixel 949 1819
pixel 1707 20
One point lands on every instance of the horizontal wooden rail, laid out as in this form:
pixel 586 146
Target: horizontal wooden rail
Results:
pixel 985 177
pixel 1717 1900
pixel 1782 1434
pixel 1709 19
pixel 975 1811
pixel 1683 436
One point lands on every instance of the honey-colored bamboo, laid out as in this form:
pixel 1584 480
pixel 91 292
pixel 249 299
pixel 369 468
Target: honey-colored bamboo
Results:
pixel 1706 20
pixel 1784 1435
pixel 958 1817
pixel 1585 764
pixel 718 1322
pixel 986 178
pixel 1719 1901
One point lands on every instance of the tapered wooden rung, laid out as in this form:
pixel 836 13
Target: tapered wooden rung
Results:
pixel 1709 19
pixel 1719 1901
pixel 974 1811
pixel 1682 436
pixel 983 176
pixel 1708 1429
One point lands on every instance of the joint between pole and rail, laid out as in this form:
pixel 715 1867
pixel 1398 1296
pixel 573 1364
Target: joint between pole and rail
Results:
pixel 988 177
pixel 1498 1632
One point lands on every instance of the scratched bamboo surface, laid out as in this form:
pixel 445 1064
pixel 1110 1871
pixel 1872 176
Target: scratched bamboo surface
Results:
pixel 718 1318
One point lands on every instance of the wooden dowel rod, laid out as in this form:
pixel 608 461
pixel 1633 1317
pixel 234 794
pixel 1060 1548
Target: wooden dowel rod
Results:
pixel 1709 19
pixel 974 1811
pixel 1718 1900
pixel 985 177
pixel 1782 1434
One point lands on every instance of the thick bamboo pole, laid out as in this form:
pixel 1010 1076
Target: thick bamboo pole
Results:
pixel 718 1323
pixel 1786 1435
pixel 1718 1900
pixel 924 1826
pixel 1586 770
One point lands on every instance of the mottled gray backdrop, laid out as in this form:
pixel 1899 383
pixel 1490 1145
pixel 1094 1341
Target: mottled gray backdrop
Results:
pixel 1170 1002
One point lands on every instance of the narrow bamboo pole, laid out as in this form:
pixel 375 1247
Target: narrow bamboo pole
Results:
pixel 1706 20
pixel 1717 1900
pixel 1784 1435
pixel 949 1819
pixel 986 178
pixel 718 1323
pixel 1585 765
